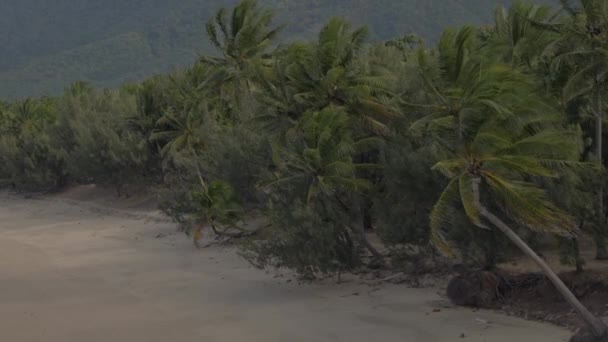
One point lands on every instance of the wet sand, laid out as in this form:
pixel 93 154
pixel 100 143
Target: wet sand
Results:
pixel 73 271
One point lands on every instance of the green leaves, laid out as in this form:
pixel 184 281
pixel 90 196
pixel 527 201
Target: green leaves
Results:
pixel 440 217
pixel 498 168
pixel 318 161
pixel 518 39
pixel 245 35
pixel 499 134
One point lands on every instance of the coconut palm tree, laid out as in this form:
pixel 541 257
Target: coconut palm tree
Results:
pixel 218 207
pixel 185 134
pixel 243 40
pixel 490 176
pixel 582 48
pixel 245 36
pixel 516 39
pixel 279 111
pixel 318 163
pixel 194 104
pixel 471 88
pixel 331 73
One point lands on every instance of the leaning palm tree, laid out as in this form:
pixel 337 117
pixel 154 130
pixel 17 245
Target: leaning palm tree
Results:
pixel 490 176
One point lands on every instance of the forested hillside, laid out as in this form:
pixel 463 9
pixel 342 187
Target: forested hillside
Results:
pixel 49 44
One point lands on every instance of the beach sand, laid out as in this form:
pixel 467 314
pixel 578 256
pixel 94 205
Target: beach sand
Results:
pixel 76 270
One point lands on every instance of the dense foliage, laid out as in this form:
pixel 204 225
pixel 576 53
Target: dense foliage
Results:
pixel 348 147
pixel 333 140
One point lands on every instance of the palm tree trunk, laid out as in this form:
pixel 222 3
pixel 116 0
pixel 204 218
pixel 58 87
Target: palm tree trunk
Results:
pixel 579 261
pixel 600 241
pixel 360 234
pixel 598 327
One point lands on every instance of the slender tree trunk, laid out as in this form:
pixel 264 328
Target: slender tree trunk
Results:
pixel 579 262
pixel 600 241
pixel 366 213
pixel 490 250
pixel 598 326
pixel 199 174
pixel 360 233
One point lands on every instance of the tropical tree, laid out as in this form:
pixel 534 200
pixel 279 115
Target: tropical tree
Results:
pixel 279 109
pixel 243 40
pixel 469 89
pixel 490 176
pixel 218 207
pixel 516 38
pixel 187 118
pixel 318 165
pixel 331 73
pixel 582 49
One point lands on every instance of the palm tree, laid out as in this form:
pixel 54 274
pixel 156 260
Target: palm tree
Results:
pixel 181 129
pixel 582 46
pixel 279 111
pixel 246 36
pixel 184 134
pixel 491 172
pixel 219 208
pixel 318 163
pixel 331 73
pixel 469 89
pixel 516 39
pixel 243 40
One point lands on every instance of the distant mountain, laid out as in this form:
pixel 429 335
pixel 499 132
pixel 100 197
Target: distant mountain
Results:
pixel 49 44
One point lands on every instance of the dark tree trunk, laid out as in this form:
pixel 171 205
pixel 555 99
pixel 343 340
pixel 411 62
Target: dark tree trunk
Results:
pixel 490 252
pixel 600 241
pixel 602 250
pixel 577 254
pixel 366 212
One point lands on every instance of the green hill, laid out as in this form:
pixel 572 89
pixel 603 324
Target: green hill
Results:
pixel 49 44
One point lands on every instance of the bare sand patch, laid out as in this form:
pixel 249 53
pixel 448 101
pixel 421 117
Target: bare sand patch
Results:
pixel 72 272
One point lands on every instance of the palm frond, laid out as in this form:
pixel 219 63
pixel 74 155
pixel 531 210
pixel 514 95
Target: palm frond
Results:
pixel 440 218
pixel 451 167
pixel 529 205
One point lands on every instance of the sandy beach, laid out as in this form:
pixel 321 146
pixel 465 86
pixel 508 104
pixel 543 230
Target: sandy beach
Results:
pixel 72 271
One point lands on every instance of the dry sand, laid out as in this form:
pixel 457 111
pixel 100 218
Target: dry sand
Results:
pixel 72 271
